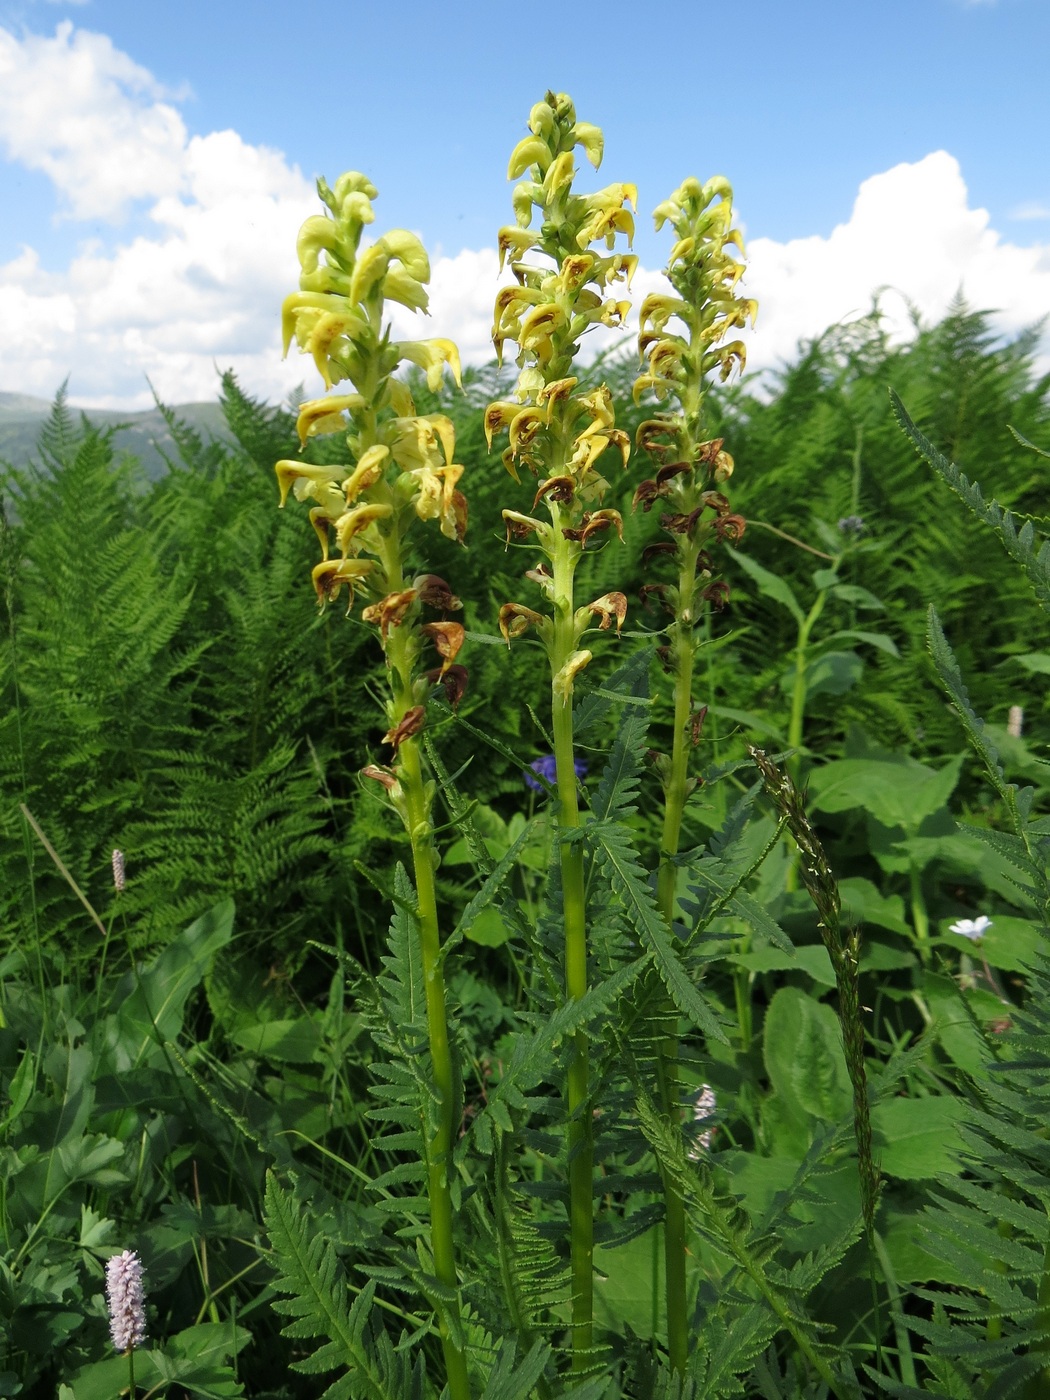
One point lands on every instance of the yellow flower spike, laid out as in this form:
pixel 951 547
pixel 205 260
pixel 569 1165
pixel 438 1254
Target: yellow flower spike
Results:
pixel 592 139
pixel 332 326
pixel 660 387
pixel 530 381
pixel 657 309
pixel 325 415
pixel 537 326
pixel 439 500
pixel 307 479
pixel 599 404
pixel 330 575
pixel 414 441
pixel 295 304
pixel 614 313
pixel 576 271
pixel 431 356
pixel 562 682
pixel 360 518
pixel 530 150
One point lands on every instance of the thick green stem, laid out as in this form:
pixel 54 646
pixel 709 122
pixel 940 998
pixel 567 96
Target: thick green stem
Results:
pixel 667 1053
pixel 581 1129
pixel 438 1144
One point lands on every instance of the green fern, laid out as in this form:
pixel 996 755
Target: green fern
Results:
pixel 310 1275
pixel 1019 544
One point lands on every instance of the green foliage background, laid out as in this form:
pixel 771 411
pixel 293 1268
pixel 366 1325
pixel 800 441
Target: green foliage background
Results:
pixel 168 687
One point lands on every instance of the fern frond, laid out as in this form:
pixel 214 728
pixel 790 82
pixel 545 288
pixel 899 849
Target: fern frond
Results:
pixel 310 1276
pixel 1019 544
pixel 615 852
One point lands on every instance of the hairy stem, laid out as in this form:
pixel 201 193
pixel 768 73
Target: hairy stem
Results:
pixel 667 1054
pixel 581 1130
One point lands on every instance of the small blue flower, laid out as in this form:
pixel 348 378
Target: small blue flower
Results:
pixel 852 525
pixel 547 767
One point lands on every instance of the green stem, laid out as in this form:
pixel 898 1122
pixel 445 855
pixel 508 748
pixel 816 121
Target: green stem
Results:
pixel 798 713
pixel 400 649
pixel 667 1053
pixel 919 917
pixel 581 1129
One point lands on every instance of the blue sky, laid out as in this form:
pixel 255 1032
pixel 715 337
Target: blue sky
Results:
pixel 798 104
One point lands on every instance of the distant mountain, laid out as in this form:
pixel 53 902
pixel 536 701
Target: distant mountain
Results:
pixel 144 434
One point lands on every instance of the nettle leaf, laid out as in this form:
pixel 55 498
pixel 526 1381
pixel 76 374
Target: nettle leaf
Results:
pixel 802 1050
pixel 918 1138
pixel 897 791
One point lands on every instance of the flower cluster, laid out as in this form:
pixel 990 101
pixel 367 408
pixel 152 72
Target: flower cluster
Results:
pixel 680 341
pixel 126 1301
pixel 402 461
pixel 546 768
pixel 402 466
pixel 563 286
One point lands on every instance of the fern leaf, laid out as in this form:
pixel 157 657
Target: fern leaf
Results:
pixel 1018 544
pixel 615 852
pixel 309 1273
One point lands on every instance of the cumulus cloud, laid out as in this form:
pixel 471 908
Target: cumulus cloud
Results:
pixel 199 281
pixel 911 231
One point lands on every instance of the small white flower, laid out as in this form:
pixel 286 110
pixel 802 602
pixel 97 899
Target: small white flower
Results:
pixel 127 1301
pixel 974 929
pixel 704 1107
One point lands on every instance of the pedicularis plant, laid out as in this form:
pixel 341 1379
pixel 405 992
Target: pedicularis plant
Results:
pixel 402 472
pixel 589 1093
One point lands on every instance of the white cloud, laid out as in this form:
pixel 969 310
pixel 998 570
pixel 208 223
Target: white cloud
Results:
pixel 201 285
pixel 1031 210
pixel 912 231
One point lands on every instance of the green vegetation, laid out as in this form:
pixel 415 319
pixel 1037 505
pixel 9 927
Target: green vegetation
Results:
pixel 315 1057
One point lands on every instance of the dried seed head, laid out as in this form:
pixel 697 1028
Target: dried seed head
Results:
pixel 126 1301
